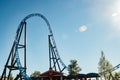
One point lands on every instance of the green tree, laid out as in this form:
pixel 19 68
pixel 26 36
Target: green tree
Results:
pixel 11 77
pixel 35 74
pixel 117 75
pixel 73 68
pixel 104 66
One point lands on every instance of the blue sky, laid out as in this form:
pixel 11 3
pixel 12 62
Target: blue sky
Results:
pixel 82 29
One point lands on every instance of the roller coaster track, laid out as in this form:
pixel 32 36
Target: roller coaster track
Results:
pixel 15 63
pixel 109 71
pixel 112 69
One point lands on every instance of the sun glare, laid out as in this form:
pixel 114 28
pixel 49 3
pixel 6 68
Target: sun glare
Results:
pixel 116 15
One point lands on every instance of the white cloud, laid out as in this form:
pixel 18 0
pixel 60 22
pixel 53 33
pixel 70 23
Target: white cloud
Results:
pixel 115 14
pixel 115 17
pixel 83 28
pixel 115 20
pixel 107 12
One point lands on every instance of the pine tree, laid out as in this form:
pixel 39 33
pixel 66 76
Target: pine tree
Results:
pixel 35 74
pixel 117 75
pixel 11 77
pixel 73 68
pixel 104 66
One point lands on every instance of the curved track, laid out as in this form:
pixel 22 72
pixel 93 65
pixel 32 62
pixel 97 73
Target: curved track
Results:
pixel 16 45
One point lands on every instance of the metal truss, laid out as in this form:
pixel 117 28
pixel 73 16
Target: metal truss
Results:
pixel 13 61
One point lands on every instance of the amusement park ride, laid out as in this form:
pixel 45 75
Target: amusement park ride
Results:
pixel 13 61
pixel 110 72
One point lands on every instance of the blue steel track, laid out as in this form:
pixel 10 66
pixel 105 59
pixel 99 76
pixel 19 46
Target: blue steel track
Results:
pixel 22 71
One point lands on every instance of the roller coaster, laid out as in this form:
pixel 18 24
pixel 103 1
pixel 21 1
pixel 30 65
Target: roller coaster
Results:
pixel 13 61
pixel 110 72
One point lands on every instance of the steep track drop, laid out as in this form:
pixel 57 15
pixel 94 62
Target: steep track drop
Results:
pixel 13 61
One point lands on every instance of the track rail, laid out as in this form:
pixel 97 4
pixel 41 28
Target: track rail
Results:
pixel 14 51
pixel 52 37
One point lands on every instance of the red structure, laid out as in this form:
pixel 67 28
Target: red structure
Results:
pixel 52 75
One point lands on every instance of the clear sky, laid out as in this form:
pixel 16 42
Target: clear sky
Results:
pixel 82 29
